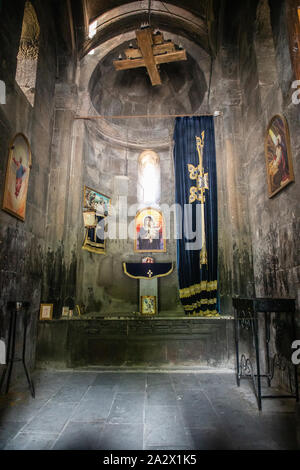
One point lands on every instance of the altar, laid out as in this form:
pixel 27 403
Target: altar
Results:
pixel 136 342
pixel 148 273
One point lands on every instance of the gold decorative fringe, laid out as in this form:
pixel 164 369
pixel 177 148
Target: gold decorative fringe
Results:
pixel 199 303
pixel 93 247
pixel 207 313
pixel 197 289
pixel 93 250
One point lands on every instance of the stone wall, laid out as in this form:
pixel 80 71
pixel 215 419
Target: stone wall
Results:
pixel 266 85
pixel 22 244
pixel 97 152
pixel 250 82
pixel 106 151
pixel 248 79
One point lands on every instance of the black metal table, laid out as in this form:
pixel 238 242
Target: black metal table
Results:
pixel 16 308
pixel 247 313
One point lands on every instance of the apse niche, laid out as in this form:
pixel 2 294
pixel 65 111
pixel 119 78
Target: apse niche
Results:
pixel 129 92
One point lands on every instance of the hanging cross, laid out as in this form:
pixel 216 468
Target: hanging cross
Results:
pixel 152 51
pixel 197 173
pixel 150 273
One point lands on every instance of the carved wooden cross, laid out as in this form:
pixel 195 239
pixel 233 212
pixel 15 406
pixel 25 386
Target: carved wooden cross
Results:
pixel 152 51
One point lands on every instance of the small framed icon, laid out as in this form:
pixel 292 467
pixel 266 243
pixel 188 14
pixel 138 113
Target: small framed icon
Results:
pixel 46 311
pixel 65 313
pixel 148 305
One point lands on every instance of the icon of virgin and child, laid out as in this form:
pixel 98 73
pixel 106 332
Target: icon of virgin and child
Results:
pixel 150 235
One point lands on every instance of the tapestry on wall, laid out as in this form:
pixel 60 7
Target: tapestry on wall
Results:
pixel 96 210
pixel 17 177
pixel 197 225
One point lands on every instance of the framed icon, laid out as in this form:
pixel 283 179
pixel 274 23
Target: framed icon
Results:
pixel 65 313
pixel 46 311
pixel 150 231
pixel 97 207
pixel 279 163
pixel 17 177
pixel 148 305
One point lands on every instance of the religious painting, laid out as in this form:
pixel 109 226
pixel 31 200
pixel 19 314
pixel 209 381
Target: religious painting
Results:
pixel 95 201
pixel 96 209
pixel 148 305
pixel 278 155
pixel 46 311
pixel 149 231
pixel 17 177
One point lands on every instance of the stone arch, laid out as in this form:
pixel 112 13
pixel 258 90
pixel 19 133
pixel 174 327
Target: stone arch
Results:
pixel 126 17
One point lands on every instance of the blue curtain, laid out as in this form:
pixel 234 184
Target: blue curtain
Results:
pixel 196 194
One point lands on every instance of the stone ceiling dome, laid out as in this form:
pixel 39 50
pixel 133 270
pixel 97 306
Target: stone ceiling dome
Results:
pixel 130 92
pixel 107 92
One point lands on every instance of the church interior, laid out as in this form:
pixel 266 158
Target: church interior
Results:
pixel 149 225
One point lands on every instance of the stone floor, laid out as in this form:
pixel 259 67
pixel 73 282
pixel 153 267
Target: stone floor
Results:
pixel 153 411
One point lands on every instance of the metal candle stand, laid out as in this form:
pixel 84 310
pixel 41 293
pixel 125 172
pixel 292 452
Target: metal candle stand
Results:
pixel 247 312
pixel 16 308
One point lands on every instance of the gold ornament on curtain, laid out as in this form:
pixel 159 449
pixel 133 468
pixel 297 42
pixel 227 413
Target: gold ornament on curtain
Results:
pixel 197 193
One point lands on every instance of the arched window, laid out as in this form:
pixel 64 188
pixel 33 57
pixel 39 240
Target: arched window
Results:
pixel 28 53
pixel 148 190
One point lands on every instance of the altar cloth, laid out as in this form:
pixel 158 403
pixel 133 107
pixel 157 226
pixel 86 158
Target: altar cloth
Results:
pixel 147 270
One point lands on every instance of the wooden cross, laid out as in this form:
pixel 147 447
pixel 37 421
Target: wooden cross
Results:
pixel 152 51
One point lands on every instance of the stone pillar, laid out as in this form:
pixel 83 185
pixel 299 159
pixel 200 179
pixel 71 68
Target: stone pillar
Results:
pixel 64 202
pixel 235 251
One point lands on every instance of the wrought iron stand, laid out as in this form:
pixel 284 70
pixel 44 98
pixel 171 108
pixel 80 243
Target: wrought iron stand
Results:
pixel 246 313
pixel 16 308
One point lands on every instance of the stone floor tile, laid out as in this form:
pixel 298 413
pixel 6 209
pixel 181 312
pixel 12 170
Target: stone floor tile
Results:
pixel 79 436
pixel 70 393
pixel 93 410
pixel 51 418
pixel 122 437
pixel 165 435
pixel 127 409
pixel 29 441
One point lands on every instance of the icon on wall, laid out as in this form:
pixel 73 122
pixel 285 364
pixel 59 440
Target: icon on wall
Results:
pixel 149 231
pixel 46 311
pixel 96 209
pixel 278 155
pixel 148 305
pixel 17 177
